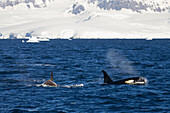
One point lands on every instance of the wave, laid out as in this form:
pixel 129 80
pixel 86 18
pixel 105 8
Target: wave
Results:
pixel 12 72
pixel 64 86
pixel 70 86
pixel 38 65
pixel 24 110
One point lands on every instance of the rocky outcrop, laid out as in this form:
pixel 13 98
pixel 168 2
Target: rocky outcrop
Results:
pixel 77 9
pixel 35 3
pixel 134 5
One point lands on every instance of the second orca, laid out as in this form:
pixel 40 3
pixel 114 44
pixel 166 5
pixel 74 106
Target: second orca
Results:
pixel 50 82
pixel 133 80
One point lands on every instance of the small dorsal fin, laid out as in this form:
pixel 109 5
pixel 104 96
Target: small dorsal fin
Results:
pixel 51 75
pixel 107 79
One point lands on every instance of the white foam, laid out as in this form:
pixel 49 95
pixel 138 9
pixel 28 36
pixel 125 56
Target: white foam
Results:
pixel 146 80
pixel 65 86
pixel 69 86
pixel 44 85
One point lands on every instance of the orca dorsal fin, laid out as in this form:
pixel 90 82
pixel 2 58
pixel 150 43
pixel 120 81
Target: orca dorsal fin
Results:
pixel 51 75
pixel 107 79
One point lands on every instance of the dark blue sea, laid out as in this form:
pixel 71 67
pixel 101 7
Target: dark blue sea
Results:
pixel 77 66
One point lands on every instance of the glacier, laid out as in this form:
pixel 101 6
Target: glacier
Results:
pixel 85 19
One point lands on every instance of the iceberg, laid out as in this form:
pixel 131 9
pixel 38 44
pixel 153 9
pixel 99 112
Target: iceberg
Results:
pixel 33 39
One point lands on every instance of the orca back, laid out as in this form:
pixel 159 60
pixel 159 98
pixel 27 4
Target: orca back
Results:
pixel 50 82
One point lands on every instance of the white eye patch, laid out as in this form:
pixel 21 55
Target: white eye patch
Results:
pixel 129 81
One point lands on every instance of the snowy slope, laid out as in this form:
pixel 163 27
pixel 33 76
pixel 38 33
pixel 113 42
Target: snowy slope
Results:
pixel 80 19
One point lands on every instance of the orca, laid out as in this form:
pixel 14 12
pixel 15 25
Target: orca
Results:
pixel 50 82
pixel 133 80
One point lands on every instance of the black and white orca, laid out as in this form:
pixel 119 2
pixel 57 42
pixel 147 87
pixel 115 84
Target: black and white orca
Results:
pixel 133 80
pixel 50 82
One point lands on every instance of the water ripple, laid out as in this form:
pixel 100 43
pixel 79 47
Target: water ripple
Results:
pixel 77 66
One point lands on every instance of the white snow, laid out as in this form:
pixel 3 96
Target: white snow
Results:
pixel 55 21
pixel 33 40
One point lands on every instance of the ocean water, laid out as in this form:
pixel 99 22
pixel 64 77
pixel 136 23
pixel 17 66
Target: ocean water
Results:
pixel 78 65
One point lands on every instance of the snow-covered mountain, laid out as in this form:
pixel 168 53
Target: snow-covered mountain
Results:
pixel 135 5
pixel 85 18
